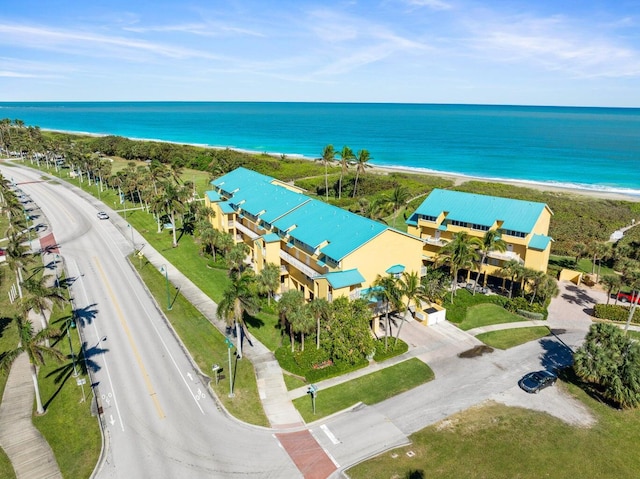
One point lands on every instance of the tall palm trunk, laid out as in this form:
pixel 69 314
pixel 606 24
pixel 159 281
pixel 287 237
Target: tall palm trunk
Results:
pixel 36 388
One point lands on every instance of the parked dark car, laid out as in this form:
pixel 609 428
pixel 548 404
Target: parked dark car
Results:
pixel 536 381
pixel 628 297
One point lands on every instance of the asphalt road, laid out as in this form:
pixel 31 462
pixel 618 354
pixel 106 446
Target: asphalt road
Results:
pixel 160 421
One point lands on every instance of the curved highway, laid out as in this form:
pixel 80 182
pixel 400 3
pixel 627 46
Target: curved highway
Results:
pixel 159 419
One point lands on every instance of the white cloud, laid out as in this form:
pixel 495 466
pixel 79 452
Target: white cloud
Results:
pixel 554 43
pixel 432 4
pixel 85 43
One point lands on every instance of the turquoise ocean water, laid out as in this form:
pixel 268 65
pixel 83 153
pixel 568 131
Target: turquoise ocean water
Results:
pixel 591 148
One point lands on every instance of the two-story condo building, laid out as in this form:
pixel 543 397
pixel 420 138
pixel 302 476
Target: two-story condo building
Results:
pixel 321 250
pixel 523 225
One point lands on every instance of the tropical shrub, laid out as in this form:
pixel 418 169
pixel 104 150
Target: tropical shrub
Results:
pixel 610 361
pixel 615 312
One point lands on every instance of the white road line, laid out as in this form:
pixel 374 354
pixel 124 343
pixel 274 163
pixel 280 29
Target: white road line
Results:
pixel 330 435
pixel 184 380
pixel 98 339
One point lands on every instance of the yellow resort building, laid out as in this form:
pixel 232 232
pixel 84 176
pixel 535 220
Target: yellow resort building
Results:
pixel 523 225
pixel 322 250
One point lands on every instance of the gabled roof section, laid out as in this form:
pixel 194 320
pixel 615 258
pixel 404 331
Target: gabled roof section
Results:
pixel 256 194
pixel 213 196
pixel 396 269
pixel 516 215
pixel 342 232
pixel 342 279
pixel 540 242
pixel 226 208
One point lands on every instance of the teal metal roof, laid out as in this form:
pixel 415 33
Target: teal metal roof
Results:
pixel 271 238
pixel 255 193
pixel 396 269
pixel 540 242
pixel 316 222
pixel 342 279
pixel 213 195
pixel 516 215
pixel 226 207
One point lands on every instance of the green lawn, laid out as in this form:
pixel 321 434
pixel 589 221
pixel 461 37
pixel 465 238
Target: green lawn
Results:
pixel 500 442
pixel 68 426
pixel 508 338
pixel 369 389
pixel 486 314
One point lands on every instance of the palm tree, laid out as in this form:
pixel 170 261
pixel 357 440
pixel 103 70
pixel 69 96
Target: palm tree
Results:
pixel 512 269
pixel 31 344
pixel 235 258
pixel 238 298
pixel 385 289
pixel 491 241
pixel 361 166
pixel 291 308
pixel 412 289
pixel 533 278
pixel 374 209
pixel 269 280
pixel 460 253
pixel 548 287
pixel 174 198
pixel 17 257
pixel 328 157
pixel 346 157
pixel 320 309
pixel 208 236
pixel 397 199
pixel 40 297
pixel 612 282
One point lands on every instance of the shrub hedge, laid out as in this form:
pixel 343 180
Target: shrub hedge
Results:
pixel 615 312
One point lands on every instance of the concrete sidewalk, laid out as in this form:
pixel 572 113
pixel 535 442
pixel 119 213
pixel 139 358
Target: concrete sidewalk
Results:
pixel 29 452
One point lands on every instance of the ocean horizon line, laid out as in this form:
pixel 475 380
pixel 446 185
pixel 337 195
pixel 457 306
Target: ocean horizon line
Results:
pixel 276 102
pixel 396 168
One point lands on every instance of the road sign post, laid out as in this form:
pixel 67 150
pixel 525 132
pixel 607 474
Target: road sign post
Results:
pixel 229 344
pixel 313 391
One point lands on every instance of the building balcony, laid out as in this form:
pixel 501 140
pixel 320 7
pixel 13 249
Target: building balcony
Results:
pixel 299 265
pixel 355 294
pixel 505 256
pixel 249 232
pixel 434 241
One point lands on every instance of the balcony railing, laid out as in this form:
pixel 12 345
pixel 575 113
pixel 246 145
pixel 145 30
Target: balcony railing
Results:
pixel 249 232
pixel 505 256
pixel 299 265
pixel 434 241
pixel 355 294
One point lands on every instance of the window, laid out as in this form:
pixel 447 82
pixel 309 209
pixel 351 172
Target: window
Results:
pixel 463 224
pixel 517 234
pixel 427 217
pixel 479 227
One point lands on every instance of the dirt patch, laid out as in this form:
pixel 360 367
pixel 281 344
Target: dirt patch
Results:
pixel 554 400
pixel 476 351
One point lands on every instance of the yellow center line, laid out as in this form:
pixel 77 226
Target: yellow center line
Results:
pixel 124 324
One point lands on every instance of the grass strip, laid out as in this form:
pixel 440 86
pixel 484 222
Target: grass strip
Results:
pixel 486 314
pixel 500 442
pixel 508 338
pixel 68 426
pixel 207 347
pixel 370 389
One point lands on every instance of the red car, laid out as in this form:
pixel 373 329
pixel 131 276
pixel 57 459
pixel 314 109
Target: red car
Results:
pixel 628 297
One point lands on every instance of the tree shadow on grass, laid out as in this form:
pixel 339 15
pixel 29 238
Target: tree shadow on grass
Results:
pixel 4 323
pixel 76 367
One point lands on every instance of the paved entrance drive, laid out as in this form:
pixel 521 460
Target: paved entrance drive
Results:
pixel 307 454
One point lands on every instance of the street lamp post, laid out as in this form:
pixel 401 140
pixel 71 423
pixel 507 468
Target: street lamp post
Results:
pixel 165 270
pixel 229 344
pixel 131 228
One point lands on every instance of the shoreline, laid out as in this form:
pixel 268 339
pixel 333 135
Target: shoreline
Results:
pixel 457 178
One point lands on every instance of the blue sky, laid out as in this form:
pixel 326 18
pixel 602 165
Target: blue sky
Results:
pixel 561 52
